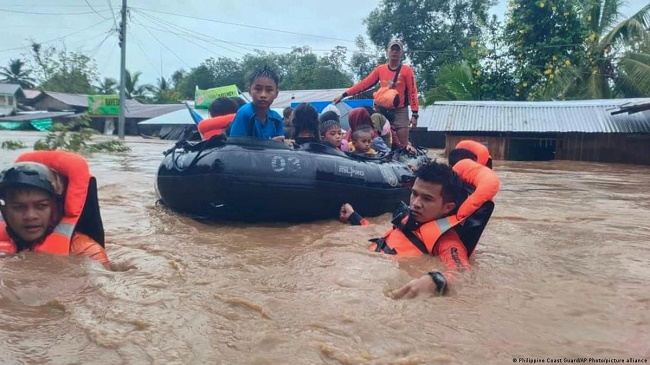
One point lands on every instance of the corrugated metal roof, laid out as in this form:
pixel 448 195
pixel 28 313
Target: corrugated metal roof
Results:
pixel 9 89
pixel 31 93
pixel 147 111
pixel 35 116
pixel 588 116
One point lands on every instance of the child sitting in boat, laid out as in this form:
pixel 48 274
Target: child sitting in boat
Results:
pixel 222 112
pixel 330 133
pixel 256 119
pixel 362 141
pixel 305 122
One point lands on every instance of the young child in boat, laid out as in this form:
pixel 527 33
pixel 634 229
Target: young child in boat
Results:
pixel 361 141
pixel 330 132
pixel 257 119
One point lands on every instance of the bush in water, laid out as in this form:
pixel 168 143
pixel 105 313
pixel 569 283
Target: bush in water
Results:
pixel 75 137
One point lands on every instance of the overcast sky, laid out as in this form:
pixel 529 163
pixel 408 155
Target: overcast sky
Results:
pixel 158 43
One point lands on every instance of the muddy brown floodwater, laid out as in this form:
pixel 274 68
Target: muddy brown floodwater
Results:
pixel 562 271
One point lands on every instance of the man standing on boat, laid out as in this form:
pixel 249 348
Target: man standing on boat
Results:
pixel 397 90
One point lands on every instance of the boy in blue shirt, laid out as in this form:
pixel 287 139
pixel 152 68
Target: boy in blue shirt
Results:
pixel 256 119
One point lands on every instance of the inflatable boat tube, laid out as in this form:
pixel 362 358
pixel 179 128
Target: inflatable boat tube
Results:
pixel 247 179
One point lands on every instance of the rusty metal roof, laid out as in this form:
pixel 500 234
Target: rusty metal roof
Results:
pixel 585 116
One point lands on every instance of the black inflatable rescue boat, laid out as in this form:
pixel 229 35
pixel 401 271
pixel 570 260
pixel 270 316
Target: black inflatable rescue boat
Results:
pixel 248 179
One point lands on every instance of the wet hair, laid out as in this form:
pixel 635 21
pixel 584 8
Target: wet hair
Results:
pixel 240 102
pixel 361 130
pixel 458 154
pixel 305 118
pixel 265 71
pixel 433 172
pixel 329 115
pixel 325 126
pixel 223 106
pixel 287 112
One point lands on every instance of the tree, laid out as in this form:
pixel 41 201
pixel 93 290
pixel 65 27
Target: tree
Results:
pixel 132 89
pixel 435 32
pixel 163 93
pixel 107 87
pixel 63 71
pixel 15 73
pixel 544 37
pixel 617 62
pixel 200 77
pixel 364 60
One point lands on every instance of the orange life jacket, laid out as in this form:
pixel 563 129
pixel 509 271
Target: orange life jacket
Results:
pixel 398 241
pixel 482 153
pixel 475 210
pixel 76 170
pixel 215 126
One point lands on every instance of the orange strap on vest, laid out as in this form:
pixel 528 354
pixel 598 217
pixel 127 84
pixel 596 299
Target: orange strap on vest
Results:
pixel 482 153
pixel 76 170
pixel 402 243
pixel 215 126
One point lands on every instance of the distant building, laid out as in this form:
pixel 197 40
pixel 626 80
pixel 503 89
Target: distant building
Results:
pixel 10 95
pixel 590 130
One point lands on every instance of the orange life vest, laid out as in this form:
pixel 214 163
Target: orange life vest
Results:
pixel 419 241
pixel 73 167
pixel 477 209
pixel 482 153
pixel 215 126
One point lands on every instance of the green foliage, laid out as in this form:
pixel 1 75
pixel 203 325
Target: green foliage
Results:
pixel 15 73
pixel 76 137
pixel 299 69
pixel 435 32
pixel 133 89
pixel 109 86
pixel 12 145
pixel 544 36
pixel 63 71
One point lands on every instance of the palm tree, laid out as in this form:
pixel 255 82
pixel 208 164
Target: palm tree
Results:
pixel 610 55
pixel 16 74
pixel 107 87
pixel 454 82
pixel 163 93
pixel 132 89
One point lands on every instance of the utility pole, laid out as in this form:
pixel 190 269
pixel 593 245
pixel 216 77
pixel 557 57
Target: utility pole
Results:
pixel 121 122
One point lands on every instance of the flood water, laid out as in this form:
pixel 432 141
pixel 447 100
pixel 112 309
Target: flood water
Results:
pixel 562 271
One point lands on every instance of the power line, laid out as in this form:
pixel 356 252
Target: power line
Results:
pixel 187 32
pixel 38 13
pixel 95 11
pixel 162 44
pixel 110 6
pixel 139 44
pixel 56 39
pixel 247 26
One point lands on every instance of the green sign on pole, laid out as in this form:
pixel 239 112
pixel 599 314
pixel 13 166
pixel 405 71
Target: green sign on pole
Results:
pixel 103 104
pixel 203 98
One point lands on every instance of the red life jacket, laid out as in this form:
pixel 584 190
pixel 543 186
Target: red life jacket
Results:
pixel 76 170
pixel 215 126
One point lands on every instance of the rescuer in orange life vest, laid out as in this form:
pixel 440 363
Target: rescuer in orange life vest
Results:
pixel 48 201
pixel 442 220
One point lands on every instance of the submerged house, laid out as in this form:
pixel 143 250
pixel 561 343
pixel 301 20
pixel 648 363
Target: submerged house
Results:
pixel 589 130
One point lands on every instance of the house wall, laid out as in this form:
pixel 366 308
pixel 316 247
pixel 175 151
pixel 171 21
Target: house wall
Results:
pixel 601 147
pixel 596 147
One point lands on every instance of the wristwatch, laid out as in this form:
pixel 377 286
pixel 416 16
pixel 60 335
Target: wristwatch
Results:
pixel 440 281
pixel 415 115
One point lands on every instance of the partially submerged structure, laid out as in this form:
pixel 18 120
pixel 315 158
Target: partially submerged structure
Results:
pixel 588 130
